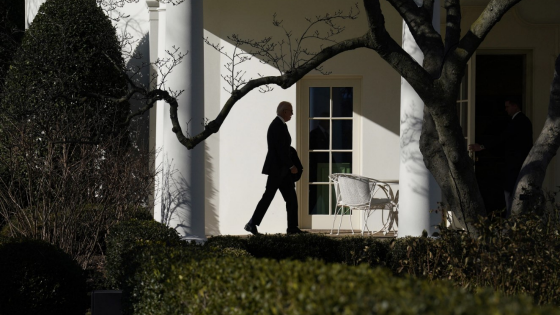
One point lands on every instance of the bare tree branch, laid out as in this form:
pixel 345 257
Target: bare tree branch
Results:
pixel 419 21
pixel 393 53
pixel 491 15
pixel 453 24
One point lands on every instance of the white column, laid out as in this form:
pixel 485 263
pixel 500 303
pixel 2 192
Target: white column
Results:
pixel 419 192
pixel 159 119
pixel 31 9
pixel 153 40
pixel 182 187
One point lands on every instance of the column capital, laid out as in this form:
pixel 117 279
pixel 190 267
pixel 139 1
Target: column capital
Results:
pixel 152 4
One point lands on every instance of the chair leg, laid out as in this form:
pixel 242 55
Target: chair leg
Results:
pixel 365 222
pixel 334 221
pixel 350 218
pixel 341 219
pixel 367 213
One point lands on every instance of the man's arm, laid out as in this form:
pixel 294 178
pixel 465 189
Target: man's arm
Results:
pixel 476 147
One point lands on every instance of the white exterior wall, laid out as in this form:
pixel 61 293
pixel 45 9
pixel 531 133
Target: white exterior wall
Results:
pixel 239 149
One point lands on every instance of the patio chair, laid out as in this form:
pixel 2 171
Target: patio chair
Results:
pixel 392 221
pixel 359 193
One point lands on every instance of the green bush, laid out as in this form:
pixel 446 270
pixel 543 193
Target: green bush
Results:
pixel 69 54
pixel 193 281
pixel 67 169
pixel 39 278
pixel 154 261
pixel 123 240
pixel 12 24
pixel 347 250
pixel 516 256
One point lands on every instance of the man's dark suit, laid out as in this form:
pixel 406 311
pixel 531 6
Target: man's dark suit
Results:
pixel 277 166
pixel 518 141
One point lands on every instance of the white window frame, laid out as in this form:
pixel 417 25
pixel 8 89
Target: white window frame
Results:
pixel 324 222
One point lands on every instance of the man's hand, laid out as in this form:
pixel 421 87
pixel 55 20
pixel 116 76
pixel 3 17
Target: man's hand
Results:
pixel 476 147
pixel 293 169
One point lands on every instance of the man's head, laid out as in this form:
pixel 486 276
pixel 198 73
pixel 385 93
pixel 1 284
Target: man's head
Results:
pixel 285 110
pixel 512 106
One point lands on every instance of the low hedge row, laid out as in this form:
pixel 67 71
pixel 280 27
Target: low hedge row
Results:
pixel 222 278
pixel 246 285
pixel 521 255
pixel 121 242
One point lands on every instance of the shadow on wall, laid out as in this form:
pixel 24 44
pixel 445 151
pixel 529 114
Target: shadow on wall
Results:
pixel 253 19
pixel 174 192
pixel 212 218
pixel 139 72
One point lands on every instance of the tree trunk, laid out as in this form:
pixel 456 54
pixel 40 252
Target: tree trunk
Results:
pixel 529 195
pixel 443 146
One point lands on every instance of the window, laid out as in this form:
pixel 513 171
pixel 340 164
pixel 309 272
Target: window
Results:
pixel 329 132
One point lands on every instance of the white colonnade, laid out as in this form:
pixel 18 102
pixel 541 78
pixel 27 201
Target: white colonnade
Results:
pixel 180 188
pixel 419 192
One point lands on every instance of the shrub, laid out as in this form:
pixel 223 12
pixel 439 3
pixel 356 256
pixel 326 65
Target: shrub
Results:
pixel 516 256
pixel 68 55
pixel 67 171
pixel 187 281
pixel 347 250
pixel 122 241
pixel 39 278
pixel 299 247
pixel 12 23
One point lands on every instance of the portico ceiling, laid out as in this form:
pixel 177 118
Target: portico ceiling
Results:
pixel 532 11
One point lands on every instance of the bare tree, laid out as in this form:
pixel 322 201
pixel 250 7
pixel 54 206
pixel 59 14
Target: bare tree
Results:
pixel 73 199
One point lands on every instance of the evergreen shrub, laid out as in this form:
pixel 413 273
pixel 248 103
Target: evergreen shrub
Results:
pixel 69 54
pixel 67 168
pixel 196 280
pixel 123 240
pixel 516 256
pixel 347 250
pixel 39 278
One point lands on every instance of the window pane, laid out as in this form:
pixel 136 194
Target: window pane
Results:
pixel 319 102
pixel 319 134
pixel 342 134
pixel 343 101
pixel 318 167
pixel 319 199
pixel 342 162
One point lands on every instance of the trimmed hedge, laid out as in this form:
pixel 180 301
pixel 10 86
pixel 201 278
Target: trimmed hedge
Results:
pixel 261 286
pixel 39 278
pixel 347 250
pixel 517 256
pixel 221 277
pixel 140 252
pixel 68 53
pixel 194 279
pixel 122 241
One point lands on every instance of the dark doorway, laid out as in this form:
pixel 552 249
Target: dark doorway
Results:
pixel 497 78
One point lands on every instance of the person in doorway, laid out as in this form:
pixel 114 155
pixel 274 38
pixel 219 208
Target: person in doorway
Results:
pixel 518 141
pixel 278 166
